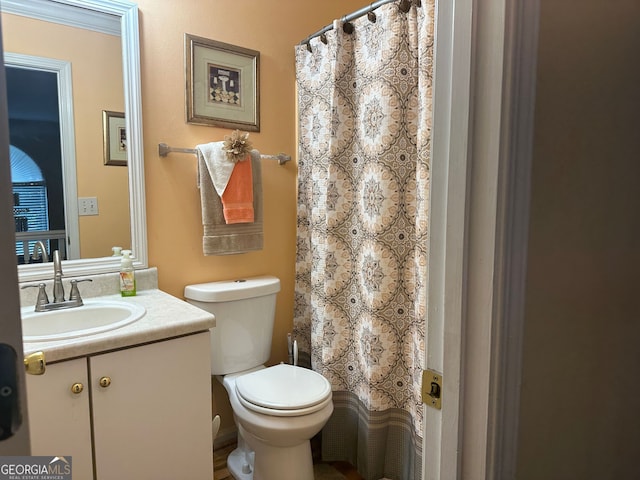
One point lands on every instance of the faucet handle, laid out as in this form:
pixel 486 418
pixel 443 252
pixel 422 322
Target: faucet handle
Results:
pixel 75 293
pixel 42 299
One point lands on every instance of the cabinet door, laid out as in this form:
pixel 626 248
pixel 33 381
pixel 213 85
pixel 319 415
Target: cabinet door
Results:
pixel 59 419
pixel 153 420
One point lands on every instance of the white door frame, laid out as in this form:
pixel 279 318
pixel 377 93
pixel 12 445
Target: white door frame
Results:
pixel 447 231
pixel 484 92
pixel 511 246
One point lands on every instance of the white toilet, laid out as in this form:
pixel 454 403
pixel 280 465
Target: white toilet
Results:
pixel 277 409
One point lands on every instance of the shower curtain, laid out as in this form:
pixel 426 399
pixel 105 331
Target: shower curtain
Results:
pixel 364 103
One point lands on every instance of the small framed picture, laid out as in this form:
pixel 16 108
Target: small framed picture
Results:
pixel 223 84
pixel 114 138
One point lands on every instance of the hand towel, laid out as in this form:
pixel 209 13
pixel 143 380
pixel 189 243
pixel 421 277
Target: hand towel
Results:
pixel 237 199
pixel 218 164
pixel 220 238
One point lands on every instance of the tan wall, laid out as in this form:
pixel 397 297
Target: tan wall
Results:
pixel 97 86
pixel 580 393
pixel 173 203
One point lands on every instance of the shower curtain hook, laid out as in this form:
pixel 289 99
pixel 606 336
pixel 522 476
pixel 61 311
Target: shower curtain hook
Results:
pixel 309 49
pixel 372 16
pixel 323 38
pixel 347 27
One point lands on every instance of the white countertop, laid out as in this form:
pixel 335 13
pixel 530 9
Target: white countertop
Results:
pixel 166 317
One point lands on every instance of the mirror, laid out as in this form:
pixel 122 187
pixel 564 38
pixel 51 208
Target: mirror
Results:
pixel 117 17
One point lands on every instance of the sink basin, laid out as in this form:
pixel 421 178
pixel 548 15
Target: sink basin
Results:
pixel 93 317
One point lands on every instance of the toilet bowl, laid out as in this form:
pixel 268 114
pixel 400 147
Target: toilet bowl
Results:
pixel 277 422
pixel 277 409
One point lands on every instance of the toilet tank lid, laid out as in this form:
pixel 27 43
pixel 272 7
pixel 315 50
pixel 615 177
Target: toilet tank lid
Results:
pixel 230 290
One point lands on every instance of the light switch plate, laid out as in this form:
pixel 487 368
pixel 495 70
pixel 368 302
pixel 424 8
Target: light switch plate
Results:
pixel 87 206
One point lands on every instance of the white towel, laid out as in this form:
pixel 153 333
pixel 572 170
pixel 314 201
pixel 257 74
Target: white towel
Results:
pixel 218 164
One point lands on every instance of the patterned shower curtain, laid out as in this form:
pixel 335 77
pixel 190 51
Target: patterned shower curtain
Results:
pixel 364 104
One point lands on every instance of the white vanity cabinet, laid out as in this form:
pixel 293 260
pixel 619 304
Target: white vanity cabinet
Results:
pixel 143 412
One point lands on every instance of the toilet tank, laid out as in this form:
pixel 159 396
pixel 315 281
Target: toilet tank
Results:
pixel 245 314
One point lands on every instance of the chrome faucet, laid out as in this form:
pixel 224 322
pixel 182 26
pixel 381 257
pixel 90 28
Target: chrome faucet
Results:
pixel 42 302
pixel 35 254
pixel 58 289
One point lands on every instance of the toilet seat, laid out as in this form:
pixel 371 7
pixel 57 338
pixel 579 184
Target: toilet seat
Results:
pixel 283 391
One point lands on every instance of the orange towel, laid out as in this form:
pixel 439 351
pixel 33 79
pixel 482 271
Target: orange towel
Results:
pixel 237 199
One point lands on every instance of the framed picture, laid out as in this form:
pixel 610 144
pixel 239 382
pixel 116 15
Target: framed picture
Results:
pixel 223 84
pixel 114 138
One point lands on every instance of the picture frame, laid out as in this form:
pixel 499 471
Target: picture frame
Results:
pixel 223 84
pixel 114 138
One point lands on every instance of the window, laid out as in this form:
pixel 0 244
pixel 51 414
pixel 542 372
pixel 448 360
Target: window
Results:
pixel 29 201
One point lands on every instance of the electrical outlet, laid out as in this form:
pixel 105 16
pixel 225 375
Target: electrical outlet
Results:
pixel 87 206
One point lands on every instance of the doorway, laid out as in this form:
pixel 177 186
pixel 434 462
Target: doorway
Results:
pixel 40 105
pixel 36 160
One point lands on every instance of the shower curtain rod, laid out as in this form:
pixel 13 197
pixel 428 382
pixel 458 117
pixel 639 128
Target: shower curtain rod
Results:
pixel 403 5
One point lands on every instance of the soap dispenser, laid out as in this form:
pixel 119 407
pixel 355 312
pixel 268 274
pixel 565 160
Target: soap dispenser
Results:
pixel 127 275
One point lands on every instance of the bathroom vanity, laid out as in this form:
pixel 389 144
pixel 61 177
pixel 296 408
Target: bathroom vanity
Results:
pixel 134 402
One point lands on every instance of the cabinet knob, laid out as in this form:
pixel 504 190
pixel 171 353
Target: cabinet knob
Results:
pixel 105 382
pixel 77 388
pixel 35 363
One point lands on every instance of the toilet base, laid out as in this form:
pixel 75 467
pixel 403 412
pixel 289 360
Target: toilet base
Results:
pixel 272 463
pixel 236 463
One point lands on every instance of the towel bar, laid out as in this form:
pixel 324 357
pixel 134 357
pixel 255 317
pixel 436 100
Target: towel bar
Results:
pixel 164 150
